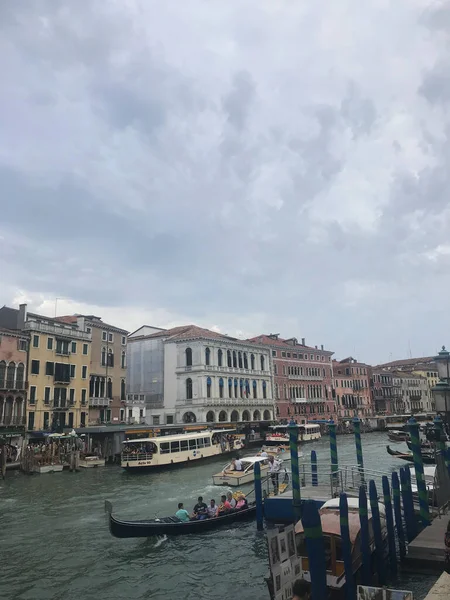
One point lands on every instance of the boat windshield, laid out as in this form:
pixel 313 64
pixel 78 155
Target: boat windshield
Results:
pixel 139 447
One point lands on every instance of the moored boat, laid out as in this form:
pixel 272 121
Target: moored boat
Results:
pixel 170 450
pixel 280 452
pixel 247 475
pixel 330 521
pixel 172 525
pixel 427 458
pixel 398 436
pixel 279 434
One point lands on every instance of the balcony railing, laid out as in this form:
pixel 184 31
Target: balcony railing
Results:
pixel 11 385
pixel 58 330
pixel 224 370
pixel 306 377
pixel 100 401
pixel 242 402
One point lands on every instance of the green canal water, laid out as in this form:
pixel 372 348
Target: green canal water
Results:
pixel 55 542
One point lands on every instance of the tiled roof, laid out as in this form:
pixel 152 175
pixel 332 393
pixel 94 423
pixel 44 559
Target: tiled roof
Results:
pixel 282 343
pixel 73 319
pixel 70 319
pixel 190 331
pixel 407 362
pixel 350 361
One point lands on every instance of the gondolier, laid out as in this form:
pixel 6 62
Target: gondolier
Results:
pixel 274 470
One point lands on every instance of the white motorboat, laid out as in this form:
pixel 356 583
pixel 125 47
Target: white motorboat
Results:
pixel 247 475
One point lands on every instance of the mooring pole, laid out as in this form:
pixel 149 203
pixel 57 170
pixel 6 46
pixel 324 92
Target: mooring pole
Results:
pixel 315 546
pixel 408 503
pixel 358 444
pixel 333 446
pixel 389 524
pixel 398 514
pixel 365 539
pixel 350 589
pixel 439 428
pixel 314 477
pixel 376 524
pixel 258 497
pixel 296 494
pixel 418 467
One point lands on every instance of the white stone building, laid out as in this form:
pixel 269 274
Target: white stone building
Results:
pixel 189 374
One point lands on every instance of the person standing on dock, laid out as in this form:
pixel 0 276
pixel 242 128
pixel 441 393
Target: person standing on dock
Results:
pixel 274 470
pixel 300 590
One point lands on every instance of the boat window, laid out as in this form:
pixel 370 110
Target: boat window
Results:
pixel 174 446
pixel 184 445
pixel 192 444
pixel 200 443
pixel 207 442
pixel 165 448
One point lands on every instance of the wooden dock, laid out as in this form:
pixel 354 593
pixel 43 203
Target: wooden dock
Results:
pixel 426 551
pixel 441 589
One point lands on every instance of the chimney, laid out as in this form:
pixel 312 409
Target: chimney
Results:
pixel 316 347
pixel 303 342
pixel 22 316
pixel 321 346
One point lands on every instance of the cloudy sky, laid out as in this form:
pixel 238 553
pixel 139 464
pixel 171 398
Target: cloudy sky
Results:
pixel 251 165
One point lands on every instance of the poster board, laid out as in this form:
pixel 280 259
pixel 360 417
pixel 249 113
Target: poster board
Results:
pixel 375 593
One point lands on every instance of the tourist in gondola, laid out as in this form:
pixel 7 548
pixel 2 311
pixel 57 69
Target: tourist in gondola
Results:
pixel 181 513
pixel 212 509
pixel 200 510
pixel 241 502
pixel 224 505
pixel 231 500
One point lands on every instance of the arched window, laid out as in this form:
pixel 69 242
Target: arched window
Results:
pixel 256 415
pixel 240 363
pixel 247 388
pixel 219 358
pixel 255 390
pixel 2 373
pixel 246 415
pixel 123 358
pixel 189 389
pixel 109 389
pixel 262 363
pixel 278 411
pixel 245 361
pixel 10 375
pixel 223 416
pixel 210 417
pixel 122 390
pixel 241 387
pixel 230 388
pixel 221 388
pixel 208 387
pixel 103 357
pixel 252 362
pixel 234 359
pixel 20 376
pixel 235 388
pixel 229 363
pixel 264 390
pixel 92 387
pixel 207 357
pixel 189 357
pixel 110 358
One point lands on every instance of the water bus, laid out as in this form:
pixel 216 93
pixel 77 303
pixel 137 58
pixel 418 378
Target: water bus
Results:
pixel 168 450
pixel 247 475
pixel 330 520
pixel 279 434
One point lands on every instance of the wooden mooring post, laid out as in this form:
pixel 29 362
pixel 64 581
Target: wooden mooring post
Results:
pixel 408 504
pixel 314 477
pixel 365 538
pixel 389 525
pixel 315 546
pixel 376 524
pixel 398 515
pixel 350 588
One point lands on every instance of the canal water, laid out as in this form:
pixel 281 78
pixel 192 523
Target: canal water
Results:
pixel 55 543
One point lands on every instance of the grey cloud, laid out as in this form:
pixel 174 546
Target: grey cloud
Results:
pixel 237 102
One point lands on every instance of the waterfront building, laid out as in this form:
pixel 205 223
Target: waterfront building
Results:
pixel 58 369
pixel 302 378
pixel 107 368
pixel 13 378
pixel 424 366
pixel 351 388
pixel 414 393
pixel 189 374
pixel 382 391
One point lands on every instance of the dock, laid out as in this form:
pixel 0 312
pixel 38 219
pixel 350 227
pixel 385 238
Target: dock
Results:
pixel 441 589
pixel 427 550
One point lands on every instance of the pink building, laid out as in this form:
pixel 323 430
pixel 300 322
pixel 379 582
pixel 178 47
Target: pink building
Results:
pixel 352 388
pixel 13 375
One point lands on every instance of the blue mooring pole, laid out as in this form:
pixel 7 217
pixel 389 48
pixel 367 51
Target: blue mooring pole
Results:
pixel 315 546
pixel 314 477
pixel 358 444
pixel 258 498
pixel 295 475
pixel 333 446
pixel 418 467
pixel 398 515
pixel 408 504
pixel 365 540
pixel 376 524
pixel 389 524
pixel 350 589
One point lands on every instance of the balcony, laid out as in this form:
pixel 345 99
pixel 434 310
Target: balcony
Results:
pixel 224 371
pixel 61 405
pixel 306 377
pixel 12 421
pixel 99 402
pixel 14 386
pixel 308 400
pixel 241 402
pixel 58 330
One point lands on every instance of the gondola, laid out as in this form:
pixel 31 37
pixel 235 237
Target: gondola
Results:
pixel 427 459
pixel 172 525
pixel 425 446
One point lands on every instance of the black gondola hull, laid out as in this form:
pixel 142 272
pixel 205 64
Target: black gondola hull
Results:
pixel 134 529
pixel 427 459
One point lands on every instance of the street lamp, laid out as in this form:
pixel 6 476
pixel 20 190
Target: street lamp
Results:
pixel 441 394
pixel 443 364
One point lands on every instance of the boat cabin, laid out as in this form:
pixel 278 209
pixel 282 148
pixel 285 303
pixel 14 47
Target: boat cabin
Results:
pixel 279 434
pixel 235 478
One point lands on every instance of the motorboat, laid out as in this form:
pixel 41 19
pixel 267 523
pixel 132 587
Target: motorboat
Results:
pixel 281 452
pixel 331 528
pixel 236 478
pixel 172 525
pixel 398 436
pixel 279 434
